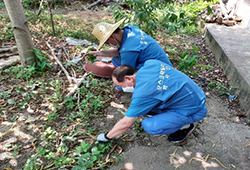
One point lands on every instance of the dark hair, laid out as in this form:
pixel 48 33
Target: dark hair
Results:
pixel 120 72
pixel 117 30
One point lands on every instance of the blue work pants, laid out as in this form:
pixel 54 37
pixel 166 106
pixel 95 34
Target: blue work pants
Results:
pixel 170 121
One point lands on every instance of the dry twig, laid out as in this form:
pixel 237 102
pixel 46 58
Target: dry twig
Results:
pixel 60 64
pixel 77 85
pixel 93 4
pixel 248 144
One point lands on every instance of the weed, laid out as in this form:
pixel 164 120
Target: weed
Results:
pixel 92 58
pixel 5 112
pixel 19 89
pixel 57 85
pixel 2 6
pixel 172 50
pixel 138 127
pixel 21 72
pixel 87 156
pixel 11 101
pixel 26 96
pixel 207 67
pixel 70 102
pixel 4 95
pixel 22 104
pixel 188 60
pixel 54 114
pixel 41 62
pixel 171 16
pixel 7 32
pixel 14 118
pixel 220 88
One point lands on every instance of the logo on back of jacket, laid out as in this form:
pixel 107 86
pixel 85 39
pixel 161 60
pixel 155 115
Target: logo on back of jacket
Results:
pixel 162 76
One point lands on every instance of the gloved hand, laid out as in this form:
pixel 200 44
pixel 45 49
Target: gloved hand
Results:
pixel 103 138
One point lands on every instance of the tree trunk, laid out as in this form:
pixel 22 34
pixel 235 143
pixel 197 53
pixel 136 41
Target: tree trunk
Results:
pixel 21 30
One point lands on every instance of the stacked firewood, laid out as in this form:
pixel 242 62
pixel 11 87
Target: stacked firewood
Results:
pixel 222 13
pixel 7 51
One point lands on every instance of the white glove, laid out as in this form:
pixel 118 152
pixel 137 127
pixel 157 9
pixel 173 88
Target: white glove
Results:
pixel 103 138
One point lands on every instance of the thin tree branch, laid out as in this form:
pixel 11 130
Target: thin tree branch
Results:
pixel 93 4
pixel 40 7
pixel 51 16
pixel 77 85
pixel 60 64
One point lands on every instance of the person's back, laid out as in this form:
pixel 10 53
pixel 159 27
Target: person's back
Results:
pixel 132 46
pixel 172 101
pixel 138 47
pixel 174 89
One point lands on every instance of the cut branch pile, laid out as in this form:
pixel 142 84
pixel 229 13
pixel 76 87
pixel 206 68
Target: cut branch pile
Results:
pixel 78 81
pixel 9 51
pixel 222 13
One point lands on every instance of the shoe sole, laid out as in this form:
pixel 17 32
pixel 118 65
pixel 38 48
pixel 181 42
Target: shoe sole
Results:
pixel 185 137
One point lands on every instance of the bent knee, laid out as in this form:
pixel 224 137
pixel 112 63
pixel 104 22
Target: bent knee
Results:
pixel 149 126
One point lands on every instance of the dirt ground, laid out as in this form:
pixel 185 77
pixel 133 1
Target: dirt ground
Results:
pixel 220 141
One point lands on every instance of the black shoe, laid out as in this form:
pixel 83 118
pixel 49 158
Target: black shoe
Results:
pixel 180 135
pixel 151 113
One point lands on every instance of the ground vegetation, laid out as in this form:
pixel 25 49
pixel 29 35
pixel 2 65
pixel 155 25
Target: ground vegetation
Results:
pixel 42 127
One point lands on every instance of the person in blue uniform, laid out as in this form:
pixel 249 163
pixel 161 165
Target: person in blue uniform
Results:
pixel 131 45
pixel 175 99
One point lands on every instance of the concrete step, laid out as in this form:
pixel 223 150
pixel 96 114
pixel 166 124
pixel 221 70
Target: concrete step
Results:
pixel 231 47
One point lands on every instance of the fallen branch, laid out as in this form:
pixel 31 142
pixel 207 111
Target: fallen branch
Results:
pixel 65 51
pixel 40 7
pixel 93 4
pixel 59 58
pixel 77 85
pixel 7 55
pixel 10 49
pixel 60 64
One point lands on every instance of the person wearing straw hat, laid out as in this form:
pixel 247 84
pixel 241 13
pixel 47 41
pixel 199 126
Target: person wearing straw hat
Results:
pixel 175 99
pixel 132 46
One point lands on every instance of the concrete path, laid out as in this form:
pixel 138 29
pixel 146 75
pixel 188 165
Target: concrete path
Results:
pixel 231 47
pixel 219 142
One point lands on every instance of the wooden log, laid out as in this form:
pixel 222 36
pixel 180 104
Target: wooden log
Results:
pixel 219 17
pixel 7 55
pixel 229 22
pixel 224 11
pixel 237 19
pixel 10 49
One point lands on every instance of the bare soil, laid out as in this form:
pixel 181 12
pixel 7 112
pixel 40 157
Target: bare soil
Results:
pixel 220 141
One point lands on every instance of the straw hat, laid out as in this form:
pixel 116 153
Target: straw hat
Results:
pixel 103 30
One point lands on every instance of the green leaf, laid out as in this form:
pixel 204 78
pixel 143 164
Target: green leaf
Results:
pixel 171 30
pixel 86 155
pixel 195 48
pixel 30 58
pixel 85 146
pixel 11 101
pixel 212 85
pixel 182 14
